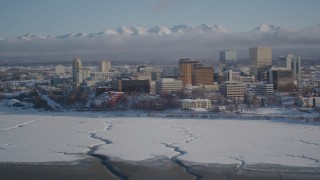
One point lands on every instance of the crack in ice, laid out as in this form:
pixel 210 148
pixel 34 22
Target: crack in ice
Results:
pixel 19 125
pixel 240 165
pixel 190 136
pixel 306 142
pixel 105 160
pixel 180 162
pixel 317 161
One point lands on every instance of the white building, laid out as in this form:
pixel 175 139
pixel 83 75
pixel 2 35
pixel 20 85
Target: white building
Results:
pixel 168 85
pixel 79 73
pixel 105 66
pixel 233 90
pixel 195 104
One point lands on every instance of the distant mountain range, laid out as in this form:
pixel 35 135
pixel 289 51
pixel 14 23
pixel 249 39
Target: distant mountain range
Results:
pixel 160 42
pixel 162 31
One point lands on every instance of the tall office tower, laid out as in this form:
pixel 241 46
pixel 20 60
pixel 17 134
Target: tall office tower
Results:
pixel 185 68
pixel 296 67
pixel 282 79
pixel 105 66
pixel 261 61
pixel 291 62
pixel 228 59
pixel 202 75
pixel 77 72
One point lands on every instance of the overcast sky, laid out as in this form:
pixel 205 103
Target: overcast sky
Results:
pixel 56 17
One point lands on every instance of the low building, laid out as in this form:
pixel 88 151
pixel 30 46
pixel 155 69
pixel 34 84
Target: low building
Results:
pixel 265 89
pixel 233 90
pixel 107 99
pixel 305 102
pixel 168 85
pixel 131 86
pixel 316 102
pixel 195 104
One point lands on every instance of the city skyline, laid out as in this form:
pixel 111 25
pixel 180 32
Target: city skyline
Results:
pixel 59 17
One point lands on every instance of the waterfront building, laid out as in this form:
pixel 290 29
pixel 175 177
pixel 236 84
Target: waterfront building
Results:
pixel 168 85
pixel 233 89
pixel 195 104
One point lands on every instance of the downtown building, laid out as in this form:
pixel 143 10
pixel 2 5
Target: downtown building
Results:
pixel 194 73
pixel 79 73
pixel 195 104
pixel 234 90
pixel 168 86
pixel 228 59
pixel 202 75
pixel 186 70
pixel 291 62
pixel 131 86
pixel 104 66
pixel 261 61
pixel 265 89
pixel 282 79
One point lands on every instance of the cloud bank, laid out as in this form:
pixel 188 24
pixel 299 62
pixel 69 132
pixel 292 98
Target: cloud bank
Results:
pixel 131 44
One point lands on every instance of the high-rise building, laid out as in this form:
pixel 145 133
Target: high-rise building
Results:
pixel 291 62
pixel 105 66
pixel 228 58
pixel 282 79
pixel 186 68
pixel 77 73
pixel 202 75
pixel 296 67
pixel 261 61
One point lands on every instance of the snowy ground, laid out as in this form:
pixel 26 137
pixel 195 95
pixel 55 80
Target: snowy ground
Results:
pixel 65 137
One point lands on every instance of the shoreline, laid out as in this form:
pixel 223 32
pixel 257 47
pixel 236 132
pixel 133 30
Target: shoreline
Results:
pixel 162 168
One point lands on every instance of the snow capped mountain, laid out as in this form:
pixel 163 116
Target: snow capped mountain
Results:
pixel 181 28
pixel 104 33
pixel 163 31
pixel 72 35
pixel 31 36
pixel 131 30
pixel 159 30
pixel 212 28
pixel 267 28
